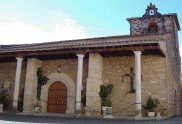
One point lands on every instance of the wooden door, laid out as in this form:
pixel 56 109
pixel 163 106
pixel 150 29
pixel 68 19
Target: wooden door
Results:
pixel 57 98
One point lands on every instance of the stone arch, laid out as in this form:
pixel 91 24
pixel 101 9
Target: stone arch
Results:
pixel 152 27
pixel 54 77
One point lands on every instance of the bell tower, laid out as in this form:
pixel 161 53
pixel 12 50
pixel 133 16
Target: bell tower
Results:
pixel 153 22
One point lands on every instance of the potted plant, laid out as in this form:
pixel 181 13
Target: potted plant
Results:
pixel 3 99
pixel 37 107
pixel 106 103
pixel 42 80
pixel 159 110
pixel 150 107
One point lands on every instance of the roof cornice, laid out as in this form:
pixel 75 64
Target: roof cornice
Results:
pixel 86 43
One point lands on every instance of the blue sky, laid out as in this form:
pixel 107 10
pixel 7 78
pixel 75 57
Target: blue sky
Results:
pixel 35 21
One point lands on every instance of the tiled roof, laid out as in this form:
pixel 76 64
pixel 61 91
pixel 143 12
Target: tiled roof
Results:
pixel 85 43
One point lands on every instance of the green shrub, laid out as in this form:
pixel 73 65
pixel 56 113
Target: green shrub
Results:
pixel 150 104
pixel 3 98
pixel 104 92
pixel 42 80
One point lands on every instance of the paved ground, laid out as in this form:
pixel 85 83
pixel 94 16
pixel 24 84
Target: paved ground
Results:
pixel 30 119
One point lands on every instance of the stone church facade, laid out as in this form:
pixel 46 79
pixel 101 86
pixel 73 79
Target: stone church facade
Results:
pixel 150 53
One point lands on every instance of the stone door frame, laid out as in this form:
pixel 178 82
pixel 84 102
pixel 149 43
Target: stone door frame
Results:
pixel 65 79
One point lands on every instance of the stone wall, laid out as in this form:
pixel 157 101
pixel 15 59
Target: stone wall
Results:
pixel 8 72
pixel 68 67
pixel 30 94
pixel 140 25
pixel 173 74
pixel 153 81
pixel 94 80
pixel 173 60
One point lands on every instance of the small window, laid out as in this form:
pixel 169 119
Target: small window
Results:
pixel 151 12
pixel 152 28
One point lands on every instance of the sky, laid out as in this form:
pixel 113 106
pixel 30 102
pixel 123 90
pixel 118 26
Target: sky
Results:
pixel 37 21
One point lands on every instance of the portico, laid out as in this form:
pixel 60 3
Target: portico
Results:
pixel 95 58
pixel 85 64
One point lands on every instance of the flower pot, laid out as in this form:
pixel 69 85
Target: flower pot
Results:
pixel 158 115
pixel 108 113
pixel 151 114
pixel 108 110
pixel 37 109
pixel 104 110
pixel 1 107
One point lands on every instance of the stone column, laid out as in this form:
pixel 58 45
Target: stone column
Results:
pixel 30 93
pixel 138 83
pixel 17 83
pixel 79 82
pixel 94 80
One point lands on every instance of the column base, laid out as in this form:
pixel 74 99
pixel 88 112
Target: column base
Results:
pixel 78 108
pixel 77 113
pixel 92 111
pixel 108 116
pixel 138 115
pixel 138 118
pixel 15 110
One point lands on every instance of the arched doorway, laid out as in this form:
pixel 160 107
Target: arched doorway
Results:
pixel 57 98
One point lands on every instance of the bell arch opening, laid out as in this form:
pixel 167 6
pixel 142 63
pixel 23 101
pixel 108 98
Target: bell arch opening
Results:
pixel 152 27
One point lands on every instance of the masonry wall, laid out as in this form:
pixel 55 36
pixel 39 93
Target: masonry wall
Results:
pixel 140 25
pixel 173 74
pixel 173 59
pixel 68 66
pixel 153 81
pixel 94 80
pixel 173 66
pixel 7 74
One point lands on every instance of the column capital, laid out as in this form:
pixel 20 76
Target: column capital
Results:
pixel 19 58
pixel 80 55
pixel 81 52
pixel 137 52
pixel 20 55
